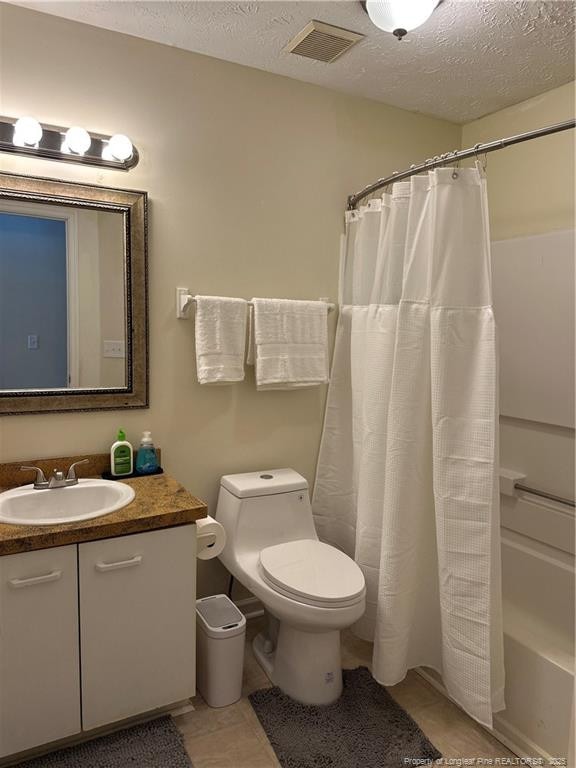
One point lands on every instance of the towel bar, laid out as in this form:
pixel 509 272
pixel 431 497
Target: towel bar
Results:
pixel 184 300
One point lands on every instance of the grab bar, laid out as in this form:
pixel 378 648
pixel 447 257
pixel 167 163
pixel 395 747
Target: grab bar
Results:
pixel 545 494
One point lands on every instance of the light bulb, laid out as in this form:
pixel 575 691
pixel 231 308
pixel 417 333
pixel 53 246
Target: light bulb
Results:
pixel 27 132
pixel 399 16
pixel 76 140
pixel 119 147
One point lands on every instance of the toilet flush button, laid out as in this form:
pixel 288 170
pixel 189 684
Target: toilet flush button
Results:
pixel 266 477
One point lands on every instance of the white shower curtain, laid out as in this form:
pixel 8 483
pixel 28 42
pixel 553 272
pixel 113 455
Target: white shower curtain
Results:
pixel 407 473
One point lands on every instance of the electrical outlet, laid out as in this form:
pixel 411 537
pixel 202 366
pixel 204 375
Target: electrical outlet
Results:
pixel 113 349
pixel 33 341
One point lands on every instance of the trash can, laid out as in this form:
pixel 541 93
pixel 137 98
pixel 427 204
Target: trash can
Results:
pixel 220 650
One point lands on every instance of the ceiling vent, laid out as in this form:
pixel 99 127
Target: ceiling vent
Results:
pixel 322 42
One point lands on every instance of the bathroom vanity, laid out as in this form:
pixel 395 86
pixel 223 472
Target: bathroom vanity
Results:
pixel 97 618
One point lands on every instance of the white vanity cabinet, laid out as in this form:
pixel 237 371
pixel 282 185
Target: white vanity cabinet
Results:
pixel 39 654
pixel 137 623
pixel 94 633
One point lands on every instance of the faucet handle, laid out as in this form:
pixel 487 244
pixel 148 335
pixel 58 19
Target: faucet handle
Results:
pixel 40 477
pixel 71 470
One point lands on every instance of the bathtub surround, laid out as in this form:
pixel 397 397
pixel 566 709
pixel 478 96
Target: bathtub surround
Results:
pixel 226 153
pixel 407 474
pixel 519 208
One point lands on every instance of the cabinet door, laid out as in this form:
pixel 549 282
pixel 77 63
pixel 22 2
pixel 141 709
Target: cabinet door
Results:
pixel 39 664
pixel 137 623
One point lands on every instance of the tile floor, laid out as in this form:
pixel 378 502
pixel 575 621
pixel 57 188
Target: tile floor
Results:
pixel 241 742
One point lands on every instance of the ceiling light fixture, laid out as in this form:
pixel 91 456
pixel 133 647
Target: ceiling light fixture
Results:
pixel 399 16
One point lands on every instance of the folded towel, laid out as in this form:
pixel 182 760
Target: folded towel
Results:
pixel 289 343
pixel 220 339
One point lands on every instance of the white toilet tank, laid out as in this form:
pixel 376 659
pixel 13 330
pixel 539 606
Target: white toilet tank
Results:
pixel 258 509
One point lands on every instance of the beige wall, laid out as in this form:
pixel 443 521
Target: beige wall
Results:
pixel 530 185
pixel 531 191
pixel 248 174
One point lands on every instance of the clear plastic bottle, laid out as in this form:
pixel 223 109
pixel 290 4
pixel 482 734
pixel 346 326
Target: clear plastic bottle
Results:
pixel 146 459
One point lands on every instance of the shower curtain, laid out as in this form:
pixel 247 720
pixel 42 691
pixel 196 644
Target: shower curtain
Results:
pixel 407 479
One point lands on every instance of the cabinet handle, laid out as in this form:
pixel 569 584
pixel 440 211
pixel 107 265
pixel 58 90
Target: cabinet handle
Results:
pixel 52 576
pixel 136 560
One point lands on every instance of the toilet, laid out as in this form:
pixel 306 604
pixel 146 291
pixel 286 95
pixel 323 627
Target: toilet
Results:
pixel 310 590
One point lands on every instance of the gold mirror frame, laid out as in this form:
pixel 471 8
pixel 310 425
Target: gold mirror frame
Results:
pixel 134 206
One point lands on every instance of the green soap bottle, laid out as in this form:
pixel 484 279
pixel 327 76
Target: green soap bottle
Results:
pixel 121 456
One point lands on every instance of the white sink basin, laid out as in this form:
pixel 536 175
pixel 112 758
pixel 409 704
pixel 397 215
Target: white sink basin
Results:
pixel 89 498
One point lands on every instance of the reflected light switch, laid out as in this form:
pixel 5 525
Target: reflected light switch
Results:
pixel 33 341
pixel 113 349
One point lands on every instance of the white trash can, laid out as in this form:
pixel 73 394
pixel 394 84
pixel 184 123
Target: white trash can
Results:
pixel 220 650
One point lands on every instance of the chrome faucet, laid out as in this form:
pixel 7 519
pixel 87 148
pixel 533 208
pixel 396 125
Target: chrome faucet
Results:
pixel 57 480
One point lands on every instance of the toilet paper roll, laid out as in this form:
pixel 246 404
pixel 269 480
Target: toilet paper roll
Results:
pixel 211 538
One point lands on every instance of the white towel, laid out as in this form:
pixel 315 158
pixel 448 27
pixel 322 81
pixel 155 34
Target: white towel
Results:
pixel 289 343
pixel 220 339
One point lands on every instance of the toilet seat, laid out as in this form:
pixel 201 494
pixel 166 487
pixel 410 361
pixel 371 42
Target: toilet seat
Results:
pixel 312 572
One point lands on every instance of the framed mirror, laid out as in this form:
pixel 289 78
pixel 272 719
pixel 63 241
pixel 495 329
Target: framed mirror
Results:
pixel 73 297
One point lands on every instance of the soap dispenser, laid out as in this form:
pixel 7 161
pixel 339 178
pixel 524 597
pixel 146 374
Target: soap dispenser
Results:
pixel 146 459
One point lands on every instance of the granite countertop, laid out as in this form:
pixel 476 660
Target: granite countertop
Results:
pixel 160 502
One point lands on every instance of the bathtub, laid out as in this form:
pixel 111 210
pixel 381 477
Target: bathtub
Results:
pixel 538 613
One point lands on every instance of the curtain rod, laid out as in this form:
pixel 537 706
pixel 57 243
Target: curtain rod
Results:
pixel 456 156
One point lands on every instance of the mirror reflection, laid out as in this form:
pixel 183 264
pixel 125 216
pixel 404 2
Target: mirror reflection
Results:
pixel 63 312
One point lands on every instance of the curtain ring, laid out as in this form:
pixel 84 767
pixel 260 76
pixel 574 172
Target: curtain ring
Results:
pixel 455 173
pixel 480 165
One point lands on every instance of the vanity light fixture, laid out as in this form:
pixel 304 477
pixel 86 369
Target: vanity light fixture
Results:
pixel 26 136
pixel 399 16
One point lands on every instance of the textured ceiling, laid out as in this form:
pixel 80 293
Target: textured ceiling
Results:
pixel 471 58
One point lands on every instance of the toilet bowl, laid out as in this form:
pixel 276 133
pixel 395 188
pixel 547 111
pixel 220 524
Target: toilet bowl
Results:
pixel 310 590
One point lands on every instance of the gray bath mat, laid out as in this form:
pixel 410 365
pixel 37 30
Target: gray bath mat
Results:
pixel 156 744
pixel 365 728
